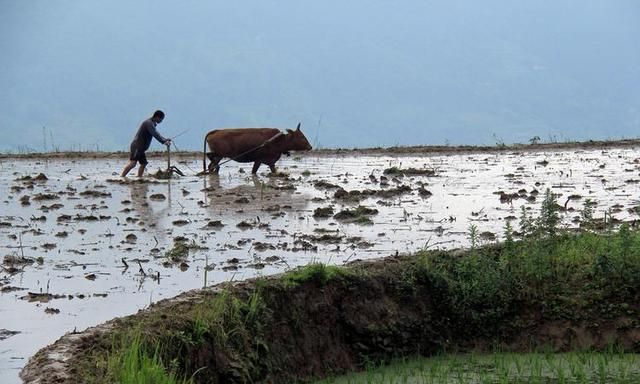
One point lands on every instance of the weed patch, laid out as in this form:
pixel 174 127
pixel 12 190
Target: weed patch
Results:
pixel 315 272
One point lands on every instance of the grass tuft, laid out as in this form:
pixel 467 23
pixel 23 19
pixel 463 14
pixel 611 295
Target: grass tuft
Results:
pixel 133 364
pixel 314 272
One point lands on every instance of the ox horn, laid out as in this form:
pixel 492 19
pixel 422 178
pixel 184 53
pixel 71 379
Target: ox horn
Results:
pixel 298 127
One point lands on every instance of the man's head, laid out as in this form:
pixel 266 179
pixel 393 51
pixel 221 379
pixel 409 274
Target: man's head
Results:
pixel 158 116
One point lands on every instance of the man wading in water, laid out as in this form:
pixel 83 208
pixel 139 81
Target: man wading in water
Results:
pixel 142 141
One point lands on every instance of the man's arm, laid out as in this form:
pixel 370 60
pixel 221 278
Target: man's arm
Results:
pixel 154 132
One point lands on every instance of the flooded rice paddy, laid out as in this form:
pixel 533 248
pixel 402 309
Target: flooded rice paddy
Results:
pixel 81 245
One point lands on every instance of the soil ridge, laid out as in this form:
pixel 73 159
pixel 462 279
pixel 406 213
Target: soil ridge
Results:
pixel 320 325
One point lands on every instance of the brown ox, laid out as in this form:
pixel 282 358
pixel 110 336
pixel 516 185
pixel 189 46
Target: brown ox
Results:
pixel 251 145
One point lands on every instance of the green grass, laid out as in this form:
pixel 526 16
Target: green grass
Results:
pixel 148 354
pixel 582 367
pixel 318 272
pixel 131 364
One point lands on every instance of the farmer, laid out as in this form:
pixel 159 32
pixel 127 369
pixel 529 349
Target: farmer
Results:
pixel 142 141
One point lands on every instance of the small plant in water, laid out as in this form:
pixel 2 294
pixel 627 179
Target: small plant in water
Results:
pixel 527 223
pixel 586 216
pixel 473 236
pixel 549 218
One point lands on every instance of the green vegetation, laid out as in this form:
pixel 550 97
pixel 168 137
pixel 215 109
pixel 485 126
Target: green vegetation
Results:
pixel 550 268
pixel 131 364
pixel 316 272
pixel 149 353
pixel 582 367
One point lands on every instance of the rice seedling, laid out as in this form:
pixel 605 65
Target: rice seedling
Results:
pixel 494 368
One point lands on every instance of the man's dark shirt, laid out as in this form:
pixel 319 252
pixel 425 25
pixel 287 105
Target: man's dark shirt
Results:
pixel 145 133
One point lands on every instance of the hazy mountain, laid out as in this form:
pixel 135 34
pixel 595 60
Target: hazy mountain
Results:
pixel 355 73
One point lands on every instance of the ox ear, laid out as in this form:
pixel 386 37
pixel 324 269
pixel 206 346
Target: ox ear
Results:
pixel 298 127
pixel 289 131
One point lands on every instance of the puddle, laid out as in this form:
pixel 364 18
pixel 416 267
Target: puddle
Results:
pixel 80 246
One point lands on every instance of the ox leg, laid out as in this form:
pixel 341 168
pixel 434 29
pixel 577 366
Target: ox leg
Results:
pixel 213 166
pixel 272 167
pixel 256 165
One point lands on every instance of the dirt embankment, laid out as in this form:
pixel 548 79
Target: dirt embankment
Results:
pixel 391 151
pixel 326 320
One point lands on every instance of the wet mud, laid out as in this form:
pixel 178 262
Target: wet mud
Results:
pixel 81 246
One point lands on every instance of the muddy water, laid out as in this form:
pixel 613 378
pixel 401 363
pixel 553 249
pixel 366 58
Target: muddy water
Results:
pixel 82 246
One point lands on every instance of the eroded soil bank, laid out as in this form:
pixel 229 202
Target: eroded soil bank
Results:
pixel 325 320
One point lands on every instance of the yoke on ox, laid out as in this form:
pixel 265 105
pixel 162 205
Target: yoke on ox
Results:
pixel 251 145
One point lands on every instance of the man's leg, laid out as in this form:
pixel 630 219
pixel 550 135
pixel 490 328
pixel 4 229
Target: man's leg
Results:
pixel 128 167
pixel 142 159
pixel 141 169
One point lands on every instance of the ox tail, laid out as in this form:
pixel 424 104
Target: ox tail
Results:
pixel 204 154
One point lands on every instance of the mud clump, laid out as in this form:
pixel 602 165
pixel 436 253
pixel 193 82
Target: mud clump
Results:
pixel 178 253
pixel 158 197
pixel 41 297
pixel 272 208
pixel 358 215
pixel 214 224
pixel 17 260
pixel 164 174
pixel 261 247
pixel 325 238
pixel 323 212
pixel 303 245
pixel 395 171
pixel 41 177
pixel 93 193
pixel 5 333
pixel 245 225
pixel 325 185
pixel 424 192
pixel 45 196
pixel 356 195
pixel 393 192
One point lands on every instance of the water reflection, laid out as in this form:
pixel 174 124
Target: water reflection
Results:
pixel 252 192
pixel 141 203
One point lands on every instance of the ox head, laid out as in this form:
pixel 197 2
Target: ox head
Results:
pixel 297 140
